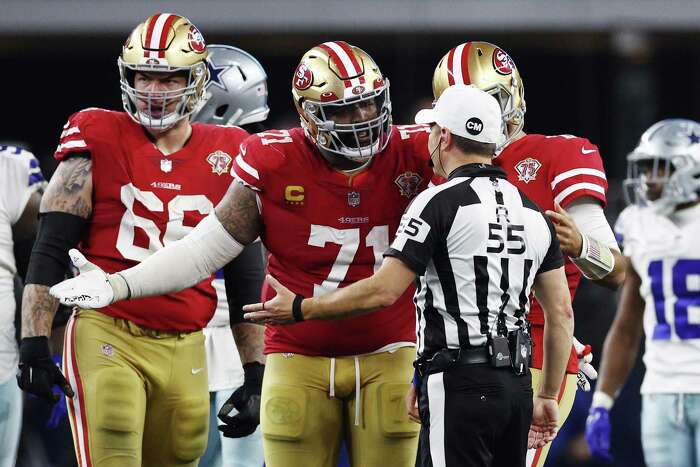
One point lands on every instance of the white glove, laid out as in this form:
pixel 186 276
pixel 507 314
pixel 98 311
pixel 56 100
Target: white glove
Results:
pixel 93 288
pixel 586 372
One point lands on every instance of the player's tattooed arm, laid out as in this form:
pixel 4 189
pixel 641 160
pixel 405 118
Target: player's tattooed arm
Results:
pixel 249 339
pixel 70 191
pixel 238 213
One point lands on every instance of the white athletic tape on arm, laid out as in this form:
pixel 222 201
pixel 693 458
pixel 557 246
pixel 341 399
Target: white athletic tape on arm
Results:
pixel 184 263
pixel 596 260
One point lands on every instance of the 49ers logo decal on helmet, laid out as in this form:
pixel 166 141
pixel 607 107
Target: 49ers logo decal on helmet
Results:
pixel 196 40
pixel 303 77
pixel 502 62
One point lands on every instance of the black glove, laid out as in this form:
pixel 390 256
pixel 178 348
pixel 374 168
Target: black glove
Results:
pixel 37 371
pixel 246 400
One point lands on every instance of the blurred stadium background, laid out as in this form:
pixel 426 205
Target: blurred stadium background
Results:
pixel 602 69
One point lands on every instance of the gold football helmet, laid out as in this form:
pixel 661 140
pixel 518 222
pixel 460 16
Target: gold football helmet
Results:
pixel 169 43
pixel 489 68
pixel 332 79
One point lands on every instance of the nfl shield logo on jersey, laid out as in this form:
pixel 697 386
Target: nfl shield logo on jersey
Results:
pixel 219 162
pixel 166 165
pixel 354 199
pixel 408 183
pixel 527 169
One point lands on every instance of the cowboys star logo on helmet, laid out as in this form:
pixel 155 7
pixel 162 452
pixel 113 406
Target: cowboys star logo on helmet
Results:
pixel 491 69
pixel 164 43
pixel 237 90
pixel 335 79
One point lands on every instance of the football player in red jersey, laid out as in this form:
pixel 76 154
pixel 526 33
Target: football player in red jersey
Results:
pixel 325 199
pixel 129 183
pixel 556 172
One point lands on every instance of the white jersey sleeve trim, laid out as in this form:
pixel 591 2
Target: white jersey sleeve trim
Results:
pixel 72 144
pixel 576 172
pixel 247 168
pixel 577 187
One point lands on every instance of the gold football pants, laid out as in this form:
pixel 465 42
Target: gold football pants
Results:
pixel 309 404
pixel 567 394
pixel 141 396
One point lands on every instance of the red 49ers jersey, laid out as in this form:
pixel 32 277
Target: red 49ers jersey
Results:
pixel 325 229
pixel 554 169
pixel 142 200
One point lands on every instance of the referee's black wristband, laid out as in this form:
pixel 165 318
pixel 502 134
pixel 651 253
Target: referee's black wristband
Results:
pixel 296 308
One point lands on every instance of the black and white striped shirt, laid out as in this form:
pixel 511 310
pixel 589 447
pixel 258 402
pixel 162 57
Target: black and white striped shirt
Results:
pixel 477 244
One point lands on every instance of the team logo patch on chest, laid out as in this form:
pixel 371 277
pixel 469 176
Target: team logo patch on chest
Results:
pixel 408 183
pixel 527 169
pixel 354 198
pixel 219 161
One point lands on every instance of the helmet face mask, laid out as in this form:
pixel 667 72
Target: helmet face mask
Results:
pixel 340 132
pixel 343 102
pixel 663 171
pixel 164 43
pixel 158 108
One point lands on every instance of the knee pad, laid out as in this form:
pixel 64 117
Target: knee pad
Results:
pixel 393 420
pixel 283 412
pixel 190 428
pixel 119 407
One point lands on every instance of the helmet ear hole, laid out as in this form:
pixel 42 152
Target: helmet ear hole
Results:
pixel 221 110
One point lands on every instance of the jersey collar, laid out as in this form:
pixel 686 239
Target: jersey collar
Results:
pixel 477 170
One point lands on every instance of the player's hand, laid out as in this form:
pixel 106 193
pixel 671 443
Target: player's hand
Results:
pixel 246 401
pixel 598 432
pixel 91 289
pixel 412 404
pixel 37 371
pixel 545 420
pixel 275 311
pixel 570 238
pixel 586 372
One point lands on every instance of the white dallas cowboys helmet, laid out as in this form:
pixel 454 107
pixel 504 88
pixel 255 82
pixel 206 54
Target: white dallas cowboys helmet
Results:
pixel 237 90
pixel 668 154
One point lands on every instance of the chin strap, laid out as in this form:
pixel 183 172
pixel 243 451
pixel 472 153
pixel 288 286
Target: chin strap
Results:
pixel 596 260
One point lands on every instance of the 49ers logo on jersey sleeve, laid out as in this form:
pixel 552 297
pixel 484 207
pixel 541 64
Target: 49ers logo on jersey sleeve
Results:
pixel 219 162
pixel 527 169
pixel 502 62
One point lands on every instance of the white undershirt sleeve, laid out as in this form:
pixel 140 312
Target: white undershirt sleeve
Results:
pixel 591 221
pixel 184 263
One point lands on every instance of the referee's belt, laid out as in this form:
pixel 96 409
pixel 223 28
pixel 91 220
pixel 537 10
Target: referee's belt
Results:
pixel 445 359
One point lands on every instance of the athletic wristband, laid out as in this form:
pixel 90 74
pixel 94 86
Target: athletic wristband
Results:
pixel 596 260
pixel 601 399
pixel 296 308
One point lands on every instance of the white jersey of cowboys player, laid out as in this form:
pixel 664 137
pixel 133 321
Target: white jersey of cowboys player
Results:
pixel 665 252
pixel 20 177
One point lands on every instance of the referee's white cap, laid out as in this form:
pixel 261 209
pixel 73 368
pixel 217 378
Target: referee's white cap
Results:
pixel 468 112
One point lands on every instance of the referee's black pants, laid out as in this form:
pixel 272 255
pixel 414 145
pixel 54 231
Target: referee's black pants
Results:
pixel 474 416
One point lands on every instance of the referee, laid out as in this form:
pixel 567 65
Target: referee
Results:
pixel 478 246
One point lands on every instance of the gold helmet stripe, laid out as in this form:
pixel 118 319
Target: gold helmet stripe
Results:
pixel 345 60
pixel 157 35
pixel 458 64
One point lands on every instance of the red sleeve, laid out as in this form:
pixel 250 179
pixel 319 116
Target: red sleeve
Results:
pixel 577 170
pixel 258 155
pixel 74 138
